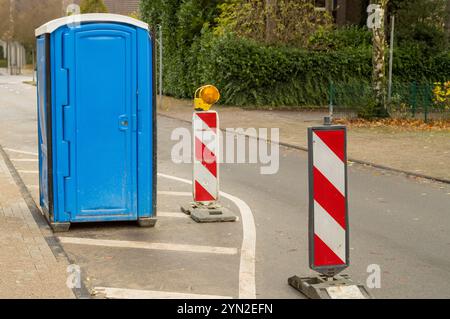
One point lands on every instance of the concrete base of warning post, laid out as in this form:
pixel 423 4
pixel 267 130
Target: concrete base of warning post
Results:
pixel 208 213
pixel 323 287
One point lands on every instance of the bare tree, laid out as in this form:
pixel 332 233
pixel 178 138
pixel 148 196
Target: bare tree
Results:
pixel 4 14
pixel 274 21
pixel 18 21
pixel 19 18
pixel 12 5
pixel 447 20
pixel 271 6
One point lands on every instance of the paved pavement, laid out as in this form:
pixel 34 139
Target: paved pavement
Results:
pixel 28 266
pixel 401 224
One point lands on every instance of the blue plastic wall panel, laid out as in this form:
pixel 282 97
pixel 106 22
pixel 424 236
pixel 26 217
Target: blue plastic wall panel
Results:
pixel 103 131
pixel 146 126
pixel 42 127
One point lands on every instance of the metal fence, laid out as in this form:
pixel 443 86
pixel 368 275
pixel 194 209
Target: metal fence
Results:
pixel 409 100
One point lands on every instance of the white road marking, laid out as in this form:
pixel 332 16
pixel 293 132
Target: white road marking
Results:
pixel 150 246
pixel 119 293
pixel 174 193
pixel 20 152
pixel 172 215
pixel 247 286
pixel 24 160
pixel 28 172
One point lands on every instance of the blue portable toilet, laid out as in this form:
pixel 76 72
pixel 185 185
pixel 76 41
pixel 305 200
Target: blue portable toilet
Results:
pixel 96 120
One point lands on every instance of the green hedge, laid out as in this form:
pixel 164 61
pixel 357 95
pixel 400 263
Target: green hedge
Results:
pixel 415 66
pixel 249 74
pixel 3 63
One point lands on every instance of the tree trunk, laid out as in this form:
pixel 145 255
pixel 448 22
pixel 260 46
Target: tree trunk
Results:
pixel 379 64
pixel 270 20
pixel 11 37
pixel 447 21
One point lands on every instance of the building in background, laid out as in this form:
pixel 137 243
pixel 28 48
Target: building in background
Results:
pixel 3 48
pixel 15 53
pixel 345 12
pixel 124 7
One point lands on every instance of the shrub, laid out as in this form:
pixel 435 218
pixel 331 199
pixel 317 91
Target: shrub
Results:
pixel 339 39
pixel 93 6
pixel 276 23
pixel 251 74
pixel 200 49
pixel 441 94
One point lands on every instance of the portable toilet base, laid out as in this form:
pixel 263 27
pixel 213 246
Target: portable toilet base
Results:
pixel 59 227
pixel 64 227
pixel 97 120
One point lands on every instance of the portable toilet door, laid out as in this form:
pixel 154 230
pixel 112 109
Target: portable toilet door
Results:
pixel 96 111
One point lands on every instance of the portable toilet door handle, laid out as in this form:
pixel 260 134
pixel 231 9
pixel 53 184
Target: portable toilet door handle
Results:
pixel 124 122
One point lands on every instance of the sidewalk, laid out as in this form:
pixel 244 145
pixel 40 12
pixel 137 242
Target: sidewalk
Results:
pixel 419 152
pixel 28 268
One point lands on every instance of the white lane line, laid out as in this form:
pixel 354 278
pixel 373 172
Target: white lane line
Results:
pixel 172 215
pixel 119 293
pixel 247 286
pixel 28 172
pixel 24 160
pixel 174 193
pixel 20 152
pixel 150 246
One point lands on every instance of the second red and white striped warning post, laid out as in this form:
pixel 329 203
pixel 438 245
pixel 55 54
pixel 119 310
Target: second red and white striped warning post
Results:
pixel 328 213
pixel 328 217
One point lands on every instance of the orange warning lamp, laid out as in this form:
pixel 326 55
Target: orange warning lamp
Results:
pixel 205 97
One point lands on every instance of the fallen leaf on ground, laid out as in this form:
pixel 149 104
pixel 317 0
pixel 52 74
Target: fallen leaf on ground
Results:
pixel 401 124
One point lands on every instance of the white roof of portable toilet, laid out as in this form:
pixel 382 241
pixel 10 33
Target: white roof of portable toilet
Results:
pixel 51 26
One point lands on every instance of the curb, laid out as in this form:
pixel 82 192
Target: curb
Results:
pixel 50 238
pixel 305 149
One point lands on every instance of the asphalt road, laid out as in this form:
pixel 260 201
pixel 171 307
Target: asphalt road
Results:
pixel 401 224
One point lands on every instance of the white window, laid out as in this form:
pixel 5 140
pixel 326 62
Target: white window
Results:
pixel 323 5
pixel 320 4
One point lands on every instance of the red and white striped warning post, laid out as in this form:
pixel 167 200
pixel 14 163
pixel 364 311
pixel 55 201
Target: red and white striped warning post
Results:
pixel 328 213
pixel 206 148
pixel 328 217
